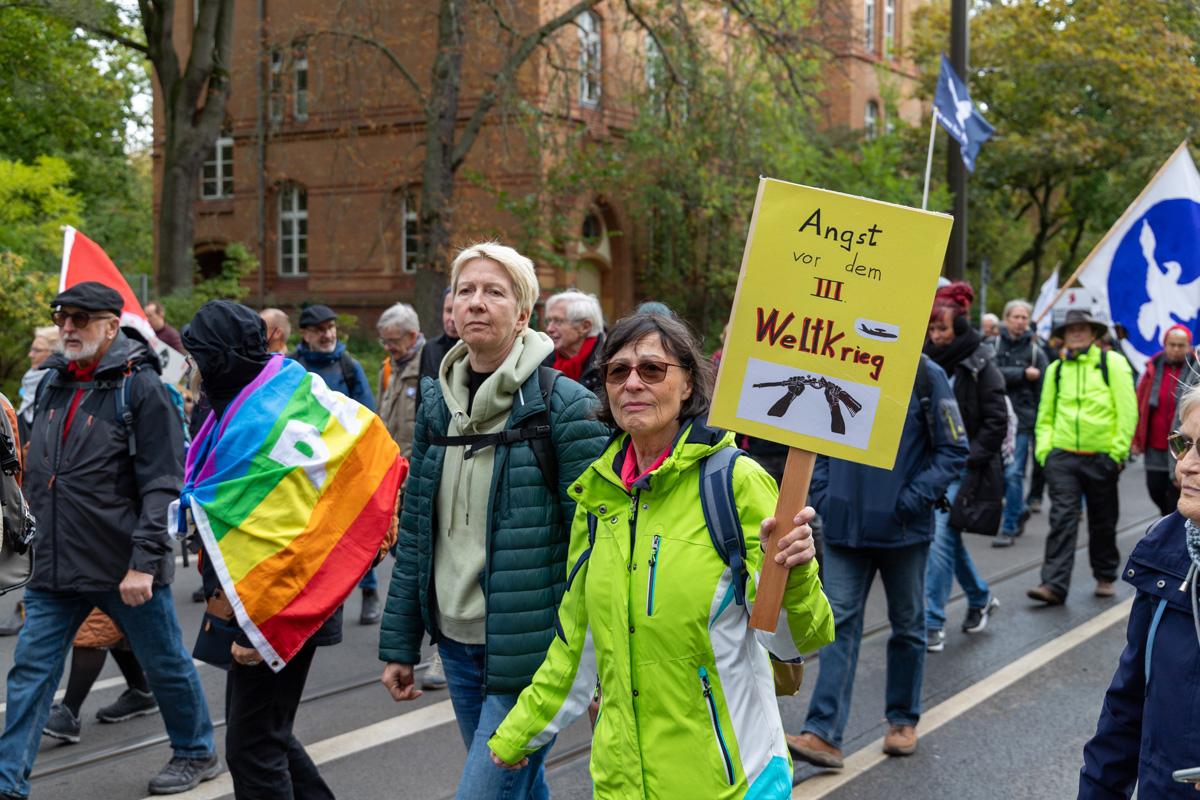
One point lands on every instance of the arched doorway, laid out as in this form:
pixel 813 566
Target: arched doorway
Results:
pixel 210 259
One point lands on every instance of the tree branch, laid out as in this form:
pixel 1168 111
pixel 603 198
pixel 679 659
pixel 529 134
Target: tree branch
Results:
pixel 507 74
pixel 386 51
pixel 662 50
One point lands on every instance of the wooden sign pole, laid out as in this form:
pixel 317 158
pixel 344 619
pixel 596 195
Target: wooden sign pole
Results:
pixel 793 492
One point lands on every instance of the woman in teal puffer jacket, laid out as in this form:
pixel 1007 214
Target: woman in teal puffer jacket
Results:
pixel 482 549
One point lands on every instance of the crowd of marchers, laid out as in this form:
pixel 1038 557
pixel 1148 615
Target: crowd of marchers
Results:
pixel 559 541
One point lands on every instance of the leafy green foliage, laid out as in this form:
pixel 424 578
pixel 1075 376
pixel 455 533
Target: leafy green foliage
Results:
pixel 1088 99
pixel 35 202
pixel 181 305
pixel 25 296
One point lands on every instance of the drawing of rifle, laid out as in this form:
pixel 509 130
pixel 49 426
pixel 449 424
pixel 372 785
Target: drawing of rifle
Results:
pixel 835 396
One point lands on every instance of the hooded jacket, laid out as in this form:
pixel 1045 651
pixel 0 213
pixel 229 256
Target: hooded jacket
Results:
pixel 329 367
pixel 525 531
pixel 688 707
pixel 1079 412
pixel 1146 389
pixel 1147 726
pixel 1013 357
pixel 865 506
pixel 100 510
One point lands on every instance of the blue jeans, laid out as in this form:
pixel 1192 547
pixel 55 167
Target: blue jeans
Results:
pixel 848 576
pixel 478 716
pixel 1014 485
pixel 949 559
pixel 369 581
pixel 51 619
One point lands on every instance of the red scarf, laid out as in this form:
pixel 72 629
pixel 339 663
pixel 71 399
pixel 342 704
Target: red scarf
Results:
pixel 573 367
pixel 81 374
pixel 629 470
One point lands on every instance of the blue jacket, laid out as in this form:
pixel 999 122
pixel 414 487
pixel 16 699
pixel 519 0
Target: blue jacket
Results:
pixel 329 366
pixel 1147 727
pixel 863 506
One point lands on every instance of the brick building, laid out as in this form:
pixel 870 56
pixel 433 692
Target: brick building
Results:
pixel 318 169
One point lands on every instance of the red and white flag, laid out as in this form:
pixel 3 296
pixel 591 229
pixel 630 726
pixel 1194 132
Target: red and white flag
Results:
pixel 84 260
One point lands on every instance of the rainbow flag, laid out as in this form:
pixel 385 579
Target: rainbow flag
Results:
pixel 293 492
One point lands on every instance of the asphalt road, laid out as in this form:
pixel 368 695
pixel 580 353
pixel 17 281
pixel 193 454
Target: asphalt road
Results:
pixel 992 735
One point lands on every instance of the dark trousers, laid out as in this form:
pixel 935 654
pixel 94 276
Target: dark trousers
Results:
pixel 265 760
pixel 1069 477
pixel 1163 491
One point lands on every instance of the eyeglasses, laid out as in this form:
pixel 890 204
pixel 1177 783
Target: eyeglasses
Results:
pixel 80 319
pixel 1180 445
pixel 648 372
pixel 392 342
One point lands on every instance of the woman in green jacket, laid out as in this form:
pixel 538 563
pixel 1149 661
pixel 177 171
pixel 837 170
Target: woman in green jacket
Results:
pixel 688 706
pixel 481 557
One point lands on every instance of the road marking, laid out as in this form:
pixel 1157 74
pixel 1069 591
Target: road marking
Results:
pixel 872 755
pixel 346 744
pixel 107 683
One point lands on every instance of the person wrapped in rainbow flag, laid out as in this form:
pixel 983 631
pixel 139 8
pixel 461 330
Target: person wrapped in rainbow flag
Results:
pixel 293 489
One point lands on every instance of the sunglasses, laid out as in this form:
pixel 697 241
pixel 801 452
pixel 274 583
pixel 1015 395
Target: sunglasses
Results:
pixel 1180 445
pixel 648 372
pixel 80 319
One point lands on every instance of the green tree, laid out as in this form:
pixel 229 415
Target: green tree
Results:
pixel 1088 98
pixel 35 203
pixel 25 296
pixel 68 95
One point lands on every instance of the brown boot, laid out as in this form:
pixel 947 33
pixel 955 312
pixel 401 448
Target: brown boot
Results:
pixel 1046 595
pixel 1105 589
pixel 901 740
pixel 815 750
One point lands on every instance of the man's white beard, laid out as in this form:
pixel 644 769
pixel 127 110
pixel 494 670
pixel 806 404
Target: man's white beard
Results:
pixel 85 352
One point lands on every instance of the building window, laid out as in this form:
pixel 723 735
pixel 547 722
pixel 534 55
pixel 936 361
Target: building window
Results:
pixel 654 64
pixel 300 84
pixel 293 231
pixel 216 176
pixel 869 24
pixel 589 58
pixel 871 119
pixel 276 94
pixel 889 27
pixel 412 233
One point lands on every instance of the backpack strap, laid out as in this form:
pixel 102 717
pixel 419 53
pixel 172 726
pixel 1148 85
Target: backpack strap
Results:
pixel 721 515
pixel 349 374
pixel 1104 366
pixel 924 391
pixel 120 396
pixel 592 522
pixel 534 429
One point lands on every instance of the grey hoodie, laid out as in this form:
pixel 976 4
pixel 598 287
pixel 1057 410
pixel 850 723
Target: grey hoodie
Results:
pixel 463 496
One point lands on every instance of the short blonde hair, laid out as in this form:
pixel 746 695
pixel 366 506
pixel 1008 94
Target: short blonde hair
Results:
pixel 518 267
pixel 49 333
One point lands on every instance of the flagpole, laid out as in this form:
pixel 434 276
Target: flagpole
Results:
pixel 1075 275
pixel 929 159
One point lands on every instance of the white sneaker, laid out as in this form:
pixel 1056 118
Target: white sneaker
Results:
pixel 435 676
pixel 935 640
pixel 977 618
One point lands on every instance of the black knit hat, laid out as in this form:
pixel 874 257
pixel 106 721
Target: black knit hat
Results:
pixel 90 296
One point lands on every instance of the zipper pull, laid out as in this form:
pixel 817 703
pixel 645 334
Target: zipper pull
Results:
pixel 654 550
pixel 704 681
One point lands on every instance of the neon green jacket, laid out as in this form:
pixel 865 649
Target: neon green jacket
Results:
pixel 1079 412
pixel 688 706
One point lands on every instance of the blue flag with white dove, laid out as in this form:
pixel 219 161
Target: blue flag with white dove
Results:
pixel 1146 269
pixel 954 111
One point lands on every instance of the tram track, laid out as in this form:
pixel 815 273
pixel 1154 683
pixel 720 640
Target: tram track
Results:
pixel 52 767
pixel 48 767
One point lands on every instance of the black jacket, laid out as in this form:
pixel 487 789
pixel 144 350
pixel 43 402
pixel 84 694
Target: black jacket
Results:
pixel 102 511
pixel 1013 356
pixel 979 390
pixel 432 354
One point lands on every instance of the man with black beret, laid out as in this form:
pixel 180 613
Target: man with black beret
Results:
pixel 105 460
pixel 320 351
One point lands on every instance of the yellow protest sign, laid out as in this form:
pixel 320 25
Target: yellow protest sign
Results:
pixel 830 314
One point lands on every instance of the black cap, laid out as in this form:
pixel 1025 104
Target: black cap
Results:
pixel 315 315
pixel 90 296
pixel 1080 316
